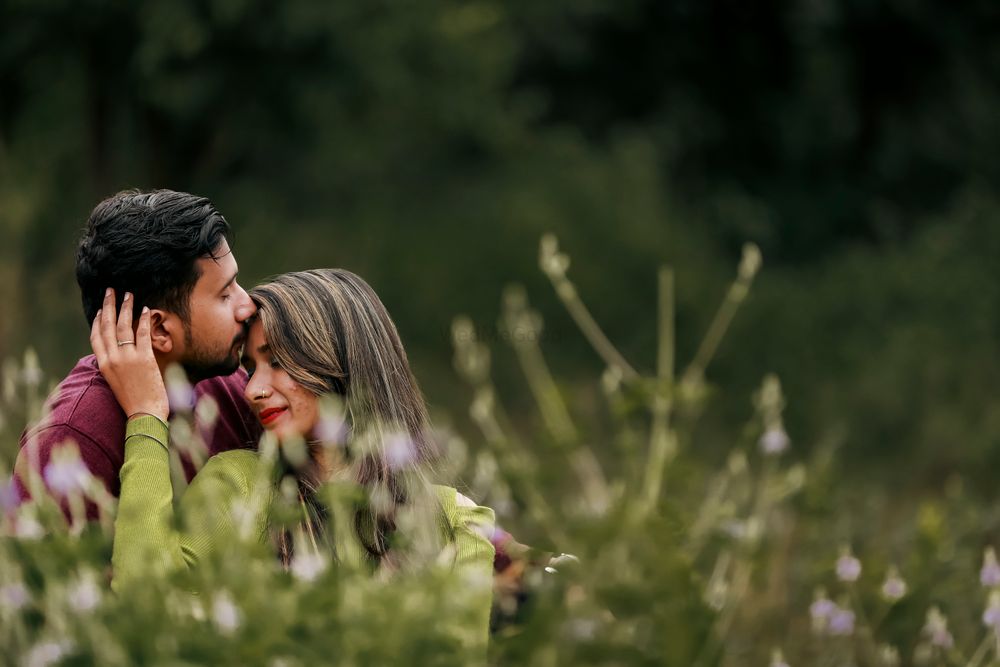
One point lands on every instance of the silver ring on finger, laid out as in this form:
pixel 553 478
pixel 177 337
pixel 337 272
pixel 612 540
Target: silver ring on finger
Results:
pixel 126 342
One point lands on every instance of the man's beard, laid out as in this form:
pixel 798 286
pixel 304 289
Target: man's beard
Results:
pixel 201 364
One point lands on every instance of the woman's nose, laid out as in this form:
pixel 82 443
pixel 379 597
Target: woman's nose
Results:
pixel 253 390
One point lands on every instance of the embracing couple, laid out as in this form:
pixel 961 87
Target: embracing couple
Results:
pixel 158 281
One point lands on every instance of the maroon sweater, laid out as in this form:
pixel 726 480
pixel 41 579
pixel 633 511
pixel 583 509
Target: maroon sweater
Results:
pixel 83 409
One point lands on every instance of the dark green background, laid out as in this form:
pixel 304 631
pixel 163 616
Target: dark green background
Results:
pixel 428 145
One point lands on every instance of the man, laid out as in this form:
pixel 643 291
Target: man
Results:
pixel 171 251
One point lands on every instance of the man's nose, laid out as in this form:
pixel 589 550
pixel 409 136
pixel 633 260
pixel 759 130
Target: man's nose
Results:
pixel 246 308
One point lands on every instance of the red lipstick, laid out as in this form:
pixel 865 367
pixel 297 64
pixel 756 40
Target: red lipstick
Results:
pixel 270 414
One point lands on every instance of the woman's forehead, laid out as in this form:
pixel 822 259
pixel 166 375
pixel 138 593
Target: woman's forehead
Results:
pixel 256 341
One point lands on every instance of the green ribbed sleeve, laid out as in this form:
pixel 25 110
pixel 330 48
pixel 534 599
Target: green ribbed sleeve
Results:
pixel 471 527
pixel 147 540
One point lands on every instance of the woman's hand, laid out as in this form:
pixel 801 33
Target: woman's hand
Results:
pixel 126 360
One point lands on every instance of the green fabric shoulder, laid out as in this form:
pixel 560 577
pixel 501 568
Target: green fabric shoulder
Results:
pixel 216 506
pixel 220 506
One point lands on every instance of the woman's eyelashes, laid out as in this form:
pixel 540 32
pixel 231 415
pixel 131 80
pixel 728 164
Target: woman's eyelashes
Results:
pixel 250 368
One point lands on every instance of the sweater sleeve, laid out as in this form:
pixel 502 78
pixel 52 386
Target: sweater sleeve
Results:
pixel 37 447
pixel 471 527
pixel 147 540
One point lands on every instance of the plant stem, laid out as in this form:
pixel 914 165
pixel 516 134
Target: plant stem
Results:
pixel 723 317
pixel 591 330
pixel 662 441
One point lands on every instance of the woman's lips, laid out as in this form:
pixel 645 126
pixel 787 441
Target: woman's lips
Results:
pixel 269 415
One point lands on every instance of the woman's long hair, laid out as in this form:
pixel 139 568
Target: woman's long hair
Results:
pixel 330 332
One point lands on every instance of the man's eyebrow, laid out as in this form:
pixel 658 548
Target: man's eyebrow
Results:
pixel 229 282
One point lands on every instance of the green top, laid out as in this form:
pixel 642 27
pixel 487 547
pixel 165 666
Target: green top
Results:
pixel 218 510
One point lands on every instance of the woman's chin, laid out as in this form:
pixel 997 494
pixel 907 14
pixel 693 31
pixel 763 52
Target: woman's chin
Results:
pixel 287 433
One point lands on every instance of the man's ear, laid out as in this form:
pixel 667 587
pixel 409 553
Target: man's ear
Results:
pixel 166 331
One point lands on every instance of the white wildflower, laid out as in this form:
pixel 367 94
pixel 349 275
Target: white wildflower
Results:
pixel 27 527
pixel 308 566
pixel 225 613
pixel 581 629
pixel 889 655
pixel 774 441
pixel 84 594
pixel 46 653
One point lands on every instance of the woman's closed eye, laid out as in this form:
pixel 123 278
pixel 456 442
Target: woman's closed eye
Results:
pixel 250 368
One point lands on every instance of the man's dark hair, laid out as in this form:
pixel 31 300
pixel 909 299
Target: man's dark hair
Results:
pixel 147 243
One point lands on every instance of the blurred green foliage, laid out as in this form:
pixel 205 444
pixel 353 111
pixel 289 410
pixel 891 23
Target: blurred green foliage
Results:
pixel 675 560
pixel 428 145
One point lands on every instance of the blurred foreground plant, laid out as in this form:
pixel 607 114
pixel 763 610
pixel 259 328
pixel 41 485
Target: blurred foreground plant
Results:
pixel 658 581
pixel 675 560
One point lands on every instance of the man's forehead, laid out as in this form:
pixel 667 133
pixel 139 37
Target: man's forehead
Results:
pixel 221 251
pixel 220 266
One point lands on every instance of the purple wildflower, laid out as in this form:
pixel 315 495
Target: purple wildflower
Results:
pixel 893 588
pixel 180 396
pixel 331 429
pixel 66 474
pixel 399 451
pixel 936 628
pixel 942 639
pixel 842 622
pixel 821 610
pixel 989 575
pixel 991 616
pixel 848 567
pixel 9 496
pixel 14 596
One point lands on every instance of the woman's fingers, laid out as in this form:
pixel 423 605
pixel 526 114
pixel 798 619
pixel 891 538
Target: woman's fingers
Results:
pixel 123 332
pixel 130 369
pixel 108 316
pixel 96 342
pixel 143 340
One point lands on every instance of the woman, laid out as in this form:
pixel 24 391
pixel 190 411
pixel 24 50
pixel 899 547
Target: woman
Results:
pixel 316 334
